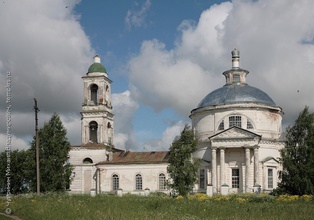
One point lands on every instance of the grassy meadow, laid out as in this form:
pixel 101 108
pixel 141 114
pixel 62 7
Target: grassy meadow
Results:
pixel 198 206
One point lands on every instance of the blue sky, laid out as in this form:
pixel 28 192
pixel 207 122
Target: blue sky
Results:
pixel 117 30
pixel 163 57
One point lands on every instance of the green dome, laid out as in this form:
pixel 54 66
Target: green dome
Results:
pixel 97 67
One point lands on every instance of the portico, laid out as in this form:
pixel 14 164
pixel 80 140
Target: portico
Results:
pixel 231 170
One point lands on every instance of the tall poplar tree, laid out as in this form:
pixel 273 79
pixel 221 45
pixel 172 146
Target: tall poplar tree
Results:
pixel 54 147
pixel 298 156
pixel 182 167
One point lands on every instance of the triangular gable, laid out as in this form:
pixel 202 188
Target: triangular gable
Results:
pixel 235 133
pixel 270 160
pixel 235 137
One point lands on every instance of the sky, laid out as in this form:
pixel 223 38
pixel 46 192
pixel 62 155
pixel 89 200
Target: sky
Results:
pixel 162 56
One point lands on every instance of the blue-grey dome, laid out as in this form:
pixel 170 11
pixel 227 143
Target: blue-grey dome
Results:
pixel 236 93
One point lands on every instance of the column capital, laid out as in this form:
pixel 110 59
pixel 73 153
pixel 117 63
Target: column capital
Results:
pixel 256 147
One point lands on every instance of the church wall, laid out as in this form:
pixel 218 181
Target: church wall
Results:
pixel 203 152
pixel 204 125
pixel 127 172
pixel 82 179
pixel 265 122
pixel 77 156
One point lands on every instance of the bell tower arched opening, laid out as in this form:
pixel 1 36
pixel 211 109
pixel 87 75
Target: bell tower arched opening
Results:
pixel 93 93
pixel 93 128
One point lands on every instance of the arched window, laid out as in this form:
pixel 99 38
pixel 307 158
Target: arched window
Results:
pixel 87 160
pixel 93 93
pixel 93 127
pixel 115 182
pixel 108 125
pixel 162 181
pixel 221 125
pixel 249 125
pixel 138 182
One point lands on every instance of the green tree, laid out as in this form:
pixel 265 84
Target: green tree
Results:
pixel 14 168
pixel 54 148
pixel 182 167
pixel 298 156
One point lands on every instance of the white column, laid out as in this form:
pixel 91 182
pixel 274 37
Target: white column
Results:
pixel 214 169
pixel 222 166
pixel 247 168
pixel 86 130
pixel 100 134
pixel 256 167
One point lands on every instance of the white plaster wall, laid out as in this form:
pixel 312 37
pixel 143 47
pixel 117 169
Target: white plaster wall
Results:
pixel 266 121
pixel 79 183
pixel 78 155
pixel 150 176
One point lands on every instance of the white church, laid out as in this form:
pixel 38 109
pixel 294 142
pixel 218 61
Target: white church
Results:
pixel 238 127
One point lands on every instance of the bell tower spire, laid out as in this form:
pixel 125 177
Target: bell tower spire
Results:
pixel 97 118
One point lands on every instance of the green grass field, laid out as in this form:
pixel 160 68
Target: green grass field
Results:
pixel 199 206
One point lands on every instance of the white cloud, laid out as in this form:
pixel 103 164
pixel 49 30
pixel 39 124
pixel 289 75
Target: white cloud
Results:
pixel 72 124
pixel 181 77
pixel 167 138
pixel 136 18
pixel 46 50
pixel 16 143
pixel 124 110
pixel 276 43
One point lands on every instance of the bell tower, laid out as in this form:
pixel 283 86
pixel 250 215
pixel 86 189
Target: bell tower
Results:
pixel 97 117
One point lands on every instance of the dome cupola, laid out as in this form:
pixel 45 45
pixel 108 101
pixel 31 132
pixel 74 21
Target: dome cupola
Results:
pixel 96 67
pixel 236 90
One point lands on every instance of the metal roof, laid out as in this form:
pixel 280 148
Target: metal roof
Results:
pixel 236 93
pixel 128 157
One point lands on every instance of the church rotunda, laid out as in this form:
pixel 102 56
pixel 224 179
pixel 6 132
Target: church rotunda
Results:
pixel 240 134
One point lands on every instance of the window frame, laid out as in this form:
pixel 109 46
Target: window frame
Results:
pixel 270 178
pixel 221 126
pixel 162 181
pixel 202 179
pixel 138 182
pixel 235 120
pixel 236 78
pixel 249 124
pixel 115 182
pixel 235 178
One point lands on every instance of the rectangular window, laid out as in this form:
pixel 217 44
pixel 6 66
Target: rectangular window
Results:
pixel 236 78
pixel 202 179
pixel 270 179
pixel 235 178
pixel 235 121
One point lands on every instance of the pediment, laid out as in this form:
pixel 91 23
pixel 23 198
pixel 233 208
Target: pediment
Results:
pixel 270 161
pixel 235 133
